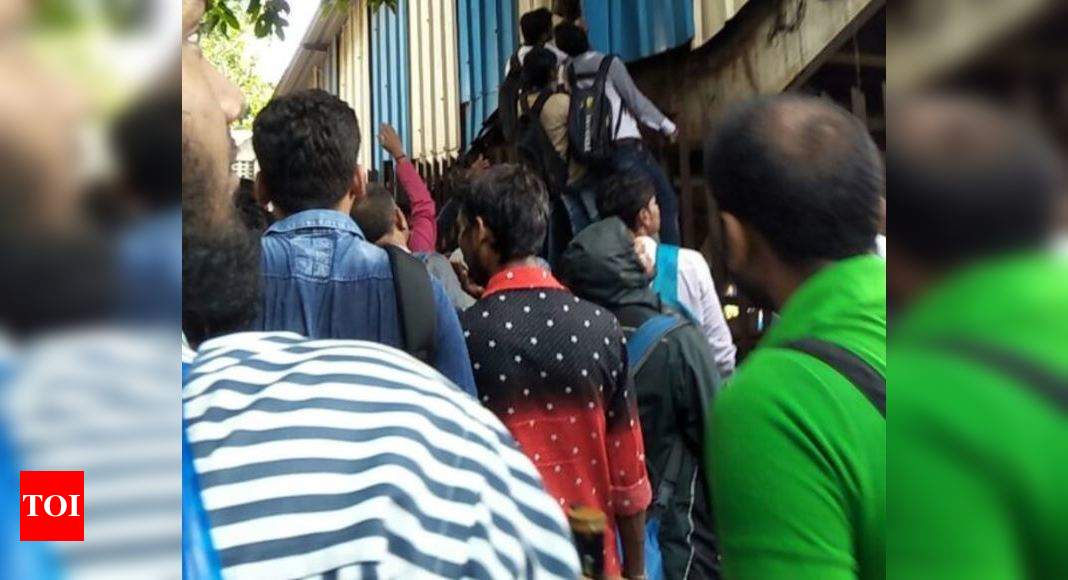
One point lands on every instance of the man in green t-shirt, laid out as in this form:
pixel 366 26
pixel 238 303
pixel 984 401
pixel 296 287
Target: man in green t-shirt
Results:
pixel 796 451
pixel 979 469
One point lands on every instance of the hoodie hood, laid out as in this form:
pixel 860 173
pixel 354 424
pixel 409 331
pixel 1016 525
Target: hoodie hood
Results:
pixel 600 265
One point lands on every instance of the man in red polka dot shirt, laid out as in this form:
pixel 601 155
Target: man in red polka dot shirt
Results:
pixel 552 367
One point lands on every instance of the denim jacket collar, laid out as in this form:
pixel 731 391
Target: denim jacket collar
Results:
pixel 316 218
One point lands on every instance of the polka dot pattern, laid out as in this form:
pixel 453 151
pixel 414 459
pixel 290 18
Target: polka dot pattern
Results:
pixel 551 367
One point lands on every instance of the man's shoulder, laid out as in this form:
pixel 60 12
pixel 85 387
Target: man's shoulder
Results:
pixel 691 256
pixel 780 383
pixel 350 256
pixel 330 359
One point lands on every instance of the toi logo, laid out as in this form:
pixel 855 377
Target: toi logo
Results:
pixel 52 506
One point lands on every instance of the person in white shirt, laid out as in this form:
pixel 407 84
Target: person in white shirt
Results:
pixel 629 107
pixel 630 196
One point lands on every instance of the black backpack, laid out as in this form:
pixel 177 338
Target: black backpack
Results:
pixel 415 303
pixel 590 129
pixel 534 148
pixel 508 100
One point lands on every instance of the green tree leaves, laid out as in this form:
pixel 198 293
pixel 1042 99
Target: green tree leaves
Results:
pixel 267 17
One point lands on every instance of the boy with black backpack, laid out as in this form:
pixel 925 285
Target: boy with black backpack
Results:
pixel 606 107
pixel 536 27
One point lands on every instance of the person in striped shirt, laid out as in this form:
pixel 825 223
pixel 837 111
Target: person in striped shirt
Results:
pixel 331 458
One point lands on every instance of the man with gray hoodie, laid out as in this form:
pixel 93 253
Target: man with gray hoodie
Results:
pixel 675 378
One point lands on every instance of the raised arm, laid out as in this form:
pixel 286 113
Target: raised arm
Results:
pixel 636 101
pixel 423 222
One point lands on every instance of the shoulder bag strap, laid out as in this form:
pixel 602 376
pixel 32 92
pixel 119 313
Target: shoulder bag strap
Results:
pixel 415 303
pixel 865 378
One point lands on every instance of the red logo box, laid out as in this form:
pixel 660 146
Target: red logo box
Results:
pixel 52 506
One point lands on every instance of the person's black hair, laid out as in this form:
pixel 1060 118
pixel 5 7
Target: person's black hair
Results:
pixel 569 10
pixel 513 203
pixel 802 172
pixel 969 181
pixel 447 230
pixel 539 69
pixel 251 213
pixel 536 26
pixel 306 144
pixel 374 213
pixel 146 140
pixel 221 282
pixel 624 195
pixel 571 39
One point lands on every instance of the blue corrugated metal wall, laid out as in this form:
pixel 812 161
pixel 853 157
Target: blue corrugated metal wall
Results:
pixel 488 37
pixel 389 78
pixel 635 29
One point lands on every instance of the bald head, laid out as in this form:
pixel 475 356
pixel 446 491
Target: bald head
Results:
pixel 800 171
pixel 969 181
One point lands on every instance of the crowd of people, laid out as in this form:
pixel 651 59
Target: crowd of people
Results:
pixel 348 415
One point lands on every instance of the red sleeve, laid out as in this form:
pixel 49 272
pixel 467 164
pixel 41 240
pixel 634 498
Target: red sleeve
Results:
pixel 423 222
pixel 631 490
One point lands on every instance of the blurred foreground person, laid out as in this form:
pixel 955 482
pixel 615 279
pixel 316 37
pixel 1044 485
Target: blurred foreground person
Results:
pixel 552 367
pixel 979 346
pixel 675 377
pixel 338 458
pixel 681 277
pixel 322 278
pixel 77 392
pixel 797 441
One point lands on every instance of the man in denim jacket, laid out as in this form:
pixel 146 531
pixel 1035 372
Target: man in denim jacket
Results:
pixel 321 277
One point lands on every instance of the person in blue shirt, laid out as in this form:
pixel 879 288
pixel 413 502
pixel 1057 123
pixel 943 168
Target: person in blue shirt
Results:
pixel 321 277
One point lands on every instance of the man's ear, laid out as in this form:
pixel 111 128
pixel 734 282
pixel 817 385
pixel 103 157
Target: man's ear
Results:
pixel 482 233
pixel 739 246
pixel 399 221
pixel 358 189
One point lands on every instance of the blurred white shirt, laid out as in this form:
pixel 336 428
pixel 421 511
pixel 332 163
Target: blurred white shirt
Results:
pixel 697 292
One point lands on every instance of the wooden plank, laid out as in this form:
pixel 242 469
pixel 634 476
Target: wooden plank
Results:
pixel 686 209
pixel 764 52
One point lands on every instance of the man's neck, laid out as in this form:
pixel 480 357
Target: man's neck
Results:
pixel 396 239
pixel 785 280
pixel 528 262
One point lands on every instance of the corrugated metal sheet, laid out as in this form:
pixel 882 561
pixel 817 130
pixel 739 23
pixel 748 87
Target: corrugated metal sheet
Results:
pixel 435 91
pixel 488 37
pixel 389 77
pixel 710 16
pixel 635 29
pixel 355 78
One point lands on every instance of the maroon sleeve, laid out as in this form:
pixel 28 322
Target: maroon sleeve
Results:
pixel 423 222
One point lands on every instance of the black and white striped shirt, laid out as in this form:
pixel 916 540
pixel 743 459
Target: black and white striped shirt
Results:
pixel 349 459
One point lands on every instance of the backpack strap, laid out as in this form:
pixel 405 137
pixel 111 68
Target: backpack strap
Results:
pixel 200 561
pixel 515 64
pixel 644 340
pixel 539 103
pixel 865 378
pixel 666 282
pixel 416 308
pixel 640 345
pixel 1040 380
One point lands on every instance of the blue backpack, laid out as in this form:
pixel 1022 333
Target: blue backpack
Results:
pixel 640 346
